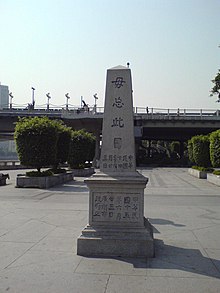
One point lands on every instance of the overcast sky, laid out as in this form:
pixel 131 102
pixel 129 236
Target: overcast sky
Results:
pixel 67 46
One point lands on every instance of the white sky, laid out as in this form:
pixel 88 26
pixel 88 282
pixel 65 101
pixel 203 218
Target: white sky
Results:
pixel 67 46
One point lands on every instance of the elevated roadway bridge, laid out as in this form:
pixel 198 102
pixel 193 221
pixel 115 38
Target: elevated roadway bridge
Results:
pixel 150 123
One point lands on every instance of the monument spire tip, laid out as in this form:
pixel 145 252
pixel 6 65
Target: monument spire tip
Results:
pixel 119 67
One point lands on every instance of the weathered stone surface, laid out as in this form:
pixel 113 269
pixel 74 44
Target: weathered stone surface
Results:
pixel 215 179
pixel 197 173
pixel 83 172
pixel 118 149
pixel 43 182
pixel 117 226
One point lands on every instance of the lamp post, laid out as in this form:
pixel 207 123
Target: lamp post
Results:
pixel 95 98
pixel 67 98
pixel 11 97
pixel 33 101
pixel 48 101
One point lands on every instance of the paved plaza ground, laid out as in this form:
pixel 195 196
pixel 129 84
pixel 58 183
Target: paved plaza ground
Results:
pixel 39 230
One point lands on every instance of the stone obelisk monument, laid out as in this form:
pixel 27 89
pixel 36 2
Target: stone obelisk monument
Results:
pixel 117 226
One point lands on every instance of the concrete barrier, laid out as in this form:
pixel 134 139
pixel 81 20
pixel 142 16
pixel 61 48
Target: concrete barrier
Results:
pixel 215 179
pixel 197 173
pixel 44 182
pixel 83 172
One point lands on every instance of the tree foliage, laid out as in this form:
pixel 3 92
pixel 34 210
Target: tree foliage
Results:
pixel 82 149
pixel 63 142
pixel 36 141
pixel 201 154
pixel 216 88
pixel 215 148
pixel 190 151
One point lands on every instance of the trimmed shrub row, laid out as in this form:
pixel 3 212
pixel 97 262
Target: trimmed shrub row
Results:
pixel 41 142
pixel 204 150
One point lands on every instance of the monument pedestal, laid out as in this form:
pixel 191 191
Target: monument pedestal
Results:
pixel 117 226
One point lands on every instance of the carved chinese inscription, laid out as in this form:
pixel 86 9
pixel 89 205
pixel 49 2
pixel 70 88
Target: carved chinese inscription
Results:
pixel 118 103
pixel 115 207
pixel 118 82
pixel 117 122
pixel 117 162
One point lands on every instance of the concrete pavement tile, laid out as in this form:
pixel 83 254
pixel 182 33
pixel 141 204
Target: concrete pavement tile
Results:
pixel 191 261
pixel 10 251
pixel 184 239
pixel 12 221
pixel 62 232
pixel 31 231
pixel 186 259
pixel 43 261
pixel 209 237
pixel 31 213
pixel 164 268
pixel 118 266
pixel 67 218
pixel 20 280
pixel 67 244
pixel 131 284
pixel 214 255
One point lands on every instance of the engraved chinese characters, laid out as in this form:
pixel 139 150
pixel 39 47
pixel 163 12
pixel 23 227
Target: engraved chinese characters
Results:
pixel 114 207
pixel 117 153
pixel 117 226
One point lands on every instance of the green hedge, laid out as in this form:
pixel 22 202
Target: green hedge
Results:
pixel 201 154
pixel 36 140
pixel 215 148
pixel 190 151
pixel 82 149
pixel 63 142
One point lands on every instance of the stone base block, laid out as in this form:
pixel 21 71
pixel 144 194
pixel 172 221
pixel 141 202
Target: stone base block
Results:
pixel 116 242
pixel 43 182
pixel 197 173
pixel 215 179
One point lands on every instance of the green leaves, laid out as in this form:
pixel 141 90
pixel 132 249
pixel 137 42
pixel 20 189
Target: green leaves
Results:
pixel 215 148
pixel 201 154
pixel 216 88
pixel 82 149
pixel 41 142
pixel 36 140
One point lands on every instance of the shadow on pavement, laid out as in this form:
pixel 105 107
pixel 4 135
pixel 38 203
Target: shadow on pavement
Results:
pixel 183 259
pixel 71 186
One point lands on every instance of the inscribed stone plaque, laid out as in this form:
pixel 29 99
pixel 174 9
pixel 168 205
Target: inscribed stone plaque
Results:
pixel 116 207
pixel 118 151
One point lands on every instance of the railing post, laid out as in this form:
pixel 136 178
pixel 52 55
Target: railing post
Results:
pixel 152 113
pixel 201 113
pixel 184 112
pixel 168 112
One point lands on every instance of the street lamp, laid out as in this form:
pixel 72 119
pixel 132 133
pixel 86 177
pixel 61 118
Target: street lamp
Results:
pixel 96 98
pixel 48 101
pixel 11 97
pixel 67 98
pixel 33 101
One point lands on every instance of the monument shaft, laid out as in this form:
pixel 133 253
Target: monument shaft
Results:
pixel 118 149
pixel 117 226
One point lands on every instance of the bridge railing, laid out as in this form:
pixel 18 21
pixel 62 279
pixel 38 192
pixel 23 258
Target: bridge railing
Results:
pixel 178 112
pixel 151 113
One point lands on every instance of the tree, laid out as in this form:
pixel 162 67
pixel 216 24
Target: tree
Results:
pixel 82 149
pixel 36 142
pixel 201 153
pixel 216 88
pixel 215 148
pixel 63 143
pixel 190 150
